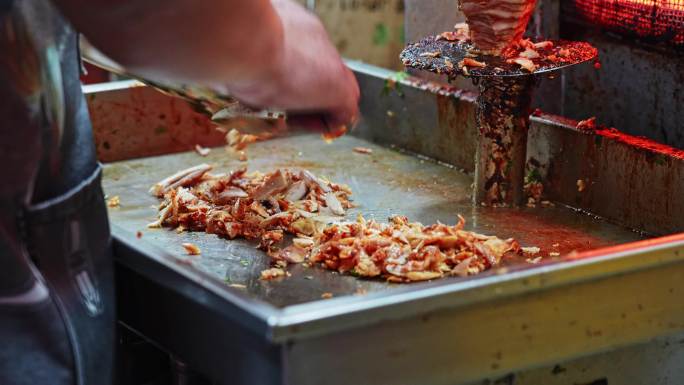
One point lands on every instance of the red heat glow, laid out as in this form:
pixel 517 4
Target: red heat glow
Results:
pixel 660 19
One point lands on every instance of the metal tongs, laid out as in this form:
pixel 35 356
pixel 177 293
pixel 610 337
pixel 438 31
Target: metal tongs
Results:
pixel 220 107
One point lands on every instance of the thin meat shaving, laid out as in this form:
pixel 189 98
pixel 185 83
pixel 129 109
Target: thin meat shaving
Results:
pixel 266 206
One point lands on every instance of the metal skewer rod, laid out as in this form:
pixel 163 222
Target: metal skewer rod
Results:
pixel 503 119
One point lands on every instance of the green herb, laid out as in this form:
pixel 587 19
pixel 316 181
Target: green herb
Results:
pixel 380 34
pixel 533 176
pixel 393 82
pixel 400 76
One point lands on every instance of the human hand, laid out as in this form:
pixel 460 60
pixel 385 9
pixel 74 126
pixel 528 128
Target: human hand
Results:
pixel 308 76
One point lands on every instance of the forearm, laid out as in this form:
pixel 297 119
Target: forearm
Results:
pixel 265 53
pixel 214 42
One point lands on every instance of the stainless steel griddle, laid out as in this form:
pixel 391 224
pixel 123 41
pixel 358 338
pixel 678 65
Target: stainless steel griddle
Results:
pixel 385 183
pixel 616 283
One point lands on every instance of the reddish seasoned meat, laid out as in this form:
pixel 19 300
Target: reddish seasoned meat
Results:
pixel 496 25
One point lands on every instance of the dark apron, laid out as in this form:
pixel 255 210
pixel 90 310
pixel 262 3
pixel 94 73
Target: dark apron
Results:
pixel 56 274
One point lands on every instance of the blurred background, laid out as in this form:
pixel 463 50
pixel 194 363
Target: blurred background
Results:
pixel 368 30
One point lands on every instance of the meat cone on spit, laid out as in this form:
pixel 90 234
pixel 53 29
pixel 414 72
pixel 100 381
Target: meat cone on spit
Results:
pixel 490 49
pixel 496 25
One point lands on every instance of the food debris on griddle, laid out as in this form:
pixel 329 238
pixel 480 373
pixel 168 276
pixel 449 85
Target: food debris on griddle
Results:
pixel 273 273
pixel 363 150
pixel 202 151
pixel 581 185
pixel 239 141
pixel 114 201
pixel 587 124
pixel 468 62
pixel 191 248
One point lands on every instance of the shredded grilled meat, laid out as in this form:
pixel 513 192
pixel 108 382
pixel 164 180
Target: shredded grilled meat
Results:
pixel 266 206
pixel 404 251
pixel 250 205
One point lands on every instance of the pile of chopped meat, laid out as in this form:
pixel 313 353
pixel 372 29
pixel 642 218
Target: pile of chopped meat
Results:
pixel 249 205
pixel 266 206
pixel 401 251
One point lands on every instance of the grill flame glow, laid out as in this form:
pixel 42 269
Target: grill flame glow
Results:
pixel 656 19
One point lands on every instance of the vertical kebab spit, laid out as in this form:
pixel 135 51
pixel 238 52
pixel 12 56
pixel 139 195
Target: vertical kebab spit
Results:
pixel 491 50
pixel 495 26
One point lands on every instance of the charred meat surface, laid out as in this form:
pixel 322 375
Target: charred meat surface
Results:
pixel 496 25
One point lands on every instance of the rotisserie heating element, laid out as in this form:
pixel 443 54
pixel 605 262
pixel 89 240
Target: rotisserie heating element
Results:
pixel 653 20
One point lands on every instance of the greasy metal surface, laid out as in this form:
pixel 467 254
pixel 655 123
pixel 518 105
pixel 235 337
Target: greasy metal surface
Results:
pixel 639 87
pixel 428 118
pixel 384 183
pixel 442 57
pixel 634 181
